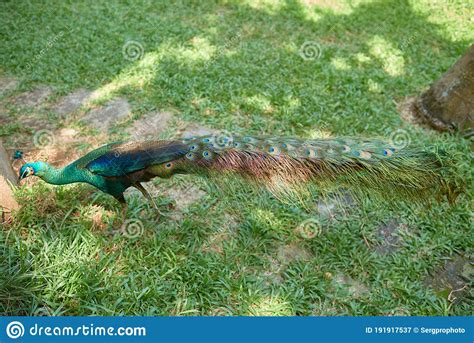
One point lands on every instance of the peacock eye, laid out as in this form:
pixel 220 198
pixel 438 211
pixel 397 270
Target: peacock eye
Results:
pixel 190 156
pixel 168 165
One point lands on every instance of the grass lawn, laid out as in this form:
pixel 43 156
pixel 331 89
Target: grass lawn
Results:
pixel 234 66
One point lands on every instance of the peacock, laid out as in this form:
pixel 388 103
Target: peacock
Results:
pixel 366 166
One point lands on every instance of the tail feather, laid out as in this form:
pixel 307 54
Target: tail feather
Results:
pixel 369 167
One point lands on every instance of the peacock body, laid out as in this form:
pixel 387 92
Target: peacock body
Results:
pixel 363 166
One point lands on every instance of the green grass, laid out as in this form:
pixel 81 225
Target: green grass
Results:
pixel 233 66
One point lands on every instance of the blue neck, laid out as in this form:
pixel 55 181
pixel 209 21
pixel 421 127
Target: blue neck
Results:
pixel 61 176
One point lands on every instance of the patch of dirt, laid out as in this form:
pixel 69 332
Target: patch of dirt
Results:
pixel 62 149
pixel 285 255
pixel 7 84
pixel 273 275
pixel 150 125
pixel 293 252
pixel 331 206
pixel 72 102
pixel 354 287
pixel 36 121
pixel 215 242
pixel 388 233
pixel 193 129
pixel 452 280
pixel 98 216
pixel 230 222
pixel 34 98
pixel 183 197
pixel 326 208
pixel 104 117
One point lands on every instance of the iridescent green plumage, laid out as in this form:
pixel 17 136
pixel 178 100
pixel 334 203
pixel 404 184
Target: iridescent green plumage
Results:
pixel 284 165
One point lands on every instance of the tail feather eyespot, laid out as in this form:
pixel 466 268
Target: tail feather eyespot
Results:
pixel 207 154
pixel 310 152
pixel 273 150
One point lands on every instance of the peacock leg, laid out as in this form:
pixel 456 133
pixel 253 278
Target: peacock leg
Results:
pixel 123 212
pixel 147 195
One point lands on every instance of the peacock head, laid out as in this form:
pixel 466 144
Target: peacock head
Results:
pixel 33 168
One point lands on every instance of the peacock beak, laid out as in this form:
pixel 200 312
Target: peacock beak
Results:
pixel 27 172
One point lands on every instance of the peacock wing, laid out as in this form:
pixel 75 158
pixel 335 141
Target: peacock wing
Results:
pixel 124 158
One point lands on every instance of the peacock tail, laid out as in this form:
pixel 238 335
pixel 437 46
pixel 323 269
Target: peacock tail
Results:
pixel 288 165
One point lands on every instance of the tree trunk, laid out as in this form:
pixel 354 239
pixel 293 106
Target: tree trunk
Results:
pixel 7 178
pixel 448 105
